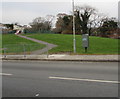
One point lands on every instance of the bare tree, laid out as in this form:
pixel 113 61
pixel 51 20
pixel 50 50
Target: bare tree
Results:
pixel 89 18
pixel 42 24
pixel 95 22
pixel 85 14
pixel 60 23
pixel 49 20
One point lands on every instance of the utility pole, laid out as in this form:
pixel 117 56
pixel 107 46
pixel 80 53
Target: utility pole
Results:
pixel 74 40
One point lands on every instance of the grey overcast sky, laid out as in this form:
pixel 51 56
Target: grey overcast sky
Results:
pixel 25 11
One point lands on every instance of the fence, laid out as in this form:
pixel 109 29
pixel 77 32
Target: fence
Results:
pixel 41 31
pixel 24 49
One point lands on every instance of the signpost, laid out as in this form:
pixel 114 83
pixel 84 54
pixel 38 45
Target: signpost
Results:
pixel 85 41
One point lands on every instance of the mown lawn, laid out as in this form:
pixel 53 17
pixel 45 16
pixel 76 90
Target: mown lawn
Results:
pixel 0 43
pixel 14 44
pixel 97 45
pixel 0 40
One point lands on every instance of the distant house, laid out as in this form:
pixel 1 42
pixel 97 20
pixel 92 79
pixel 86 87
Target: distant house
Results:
pixel 18 28
pixel 2 26
pixel 13 28
pixel 3 29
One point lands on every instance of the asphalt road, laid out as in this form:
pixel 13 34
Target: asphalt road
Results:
pixel 59 79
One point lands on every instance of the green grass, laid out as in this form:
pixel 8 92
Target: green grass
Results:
pixel 97 45
pixel 15 44
pixel 0 43
pixel 0 40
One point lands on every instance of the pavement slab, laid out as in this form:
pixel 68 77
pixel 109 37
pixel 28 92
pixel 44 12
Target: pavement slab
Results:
pixel 64 57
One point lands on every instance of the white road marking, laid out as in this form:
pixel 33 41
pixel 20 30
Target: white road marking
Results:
pixel 5 74
pixel 88 80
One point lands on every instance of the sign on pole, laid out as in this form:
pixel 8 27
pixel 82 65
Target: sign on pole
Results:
pixel 85 41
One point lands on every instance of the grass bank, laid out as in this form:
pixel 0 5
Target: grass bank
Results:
pixel 97 45
pixel 15 44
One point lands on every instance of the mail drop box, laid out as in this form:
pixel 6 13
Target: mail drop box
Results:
pixel 85 40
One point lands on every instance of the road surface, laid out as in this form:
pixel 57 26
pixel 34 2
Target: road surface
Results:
pixel 59 79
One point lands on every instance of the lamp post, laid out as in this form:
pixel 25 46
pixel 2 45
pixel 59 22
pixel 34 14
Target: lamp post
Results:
pixel 74 40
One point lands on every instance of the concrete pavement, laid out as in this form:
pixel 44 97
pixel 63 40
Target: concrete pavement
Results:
pixel 64 57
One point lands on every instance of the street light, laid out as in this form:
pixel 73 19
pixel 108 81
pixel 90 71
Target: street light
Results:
pixel 74 40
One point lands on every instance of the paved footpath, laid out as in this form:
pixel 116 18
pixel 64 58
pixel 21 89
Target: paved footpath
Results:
pixel 65 57
pixel 48 45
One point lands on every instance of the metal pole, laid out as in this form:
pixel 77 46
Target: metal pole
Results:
pixel 47 51
pixel 24 50
pixel 74 40
pixel 4 51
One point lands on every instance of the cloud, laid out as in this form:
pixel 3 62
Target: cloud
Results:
pixel 17 16
pixel 25 12
pixel 60 0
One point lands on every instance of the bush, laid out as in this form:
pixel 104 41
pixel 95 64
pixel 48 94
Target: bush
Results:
pixel 70 32
pixel 67 32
